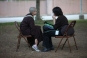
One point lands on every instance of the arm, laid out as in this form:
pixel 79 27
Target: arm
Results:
pixel 31 23
pixel 57 24
pixel 54 19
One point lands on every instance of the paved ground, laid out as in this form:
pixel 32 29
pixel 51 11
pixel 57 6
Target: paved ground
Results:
pixel 8 42
pixel 19 19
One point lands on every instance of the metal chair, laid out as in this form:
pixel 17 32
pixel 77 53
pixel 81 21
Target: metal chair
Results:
pixel 65 35
pixel 20 35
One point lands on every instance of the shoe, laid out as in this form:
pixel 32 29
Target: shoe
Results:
pixel 45 50
pixel 35 48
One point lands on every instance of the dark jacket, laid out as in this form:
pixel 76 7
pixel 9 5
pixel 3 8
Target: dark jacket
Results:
pixel 61 24
pixel 28 27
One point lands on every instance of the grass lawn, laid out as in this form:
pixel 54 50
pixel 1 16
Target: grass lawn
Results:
pixel 8 42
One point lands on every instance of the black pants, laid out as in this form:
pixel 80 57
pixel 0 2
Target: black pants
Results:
pixel 47 41
pixel 31 40
pixel 48 33
pixel 37 35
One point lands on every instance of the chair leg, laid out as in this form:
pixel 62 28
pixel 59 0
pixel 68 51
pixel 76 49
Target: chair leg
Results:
pixel 69 45
pixel 27 42
pixel 75 43
pixel 18 44
pixel 64 43
pixel 59 44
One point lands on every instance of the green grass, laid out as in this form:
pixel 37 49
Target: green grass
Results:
pixel 81 24
pixel 78 23
pixel 9 23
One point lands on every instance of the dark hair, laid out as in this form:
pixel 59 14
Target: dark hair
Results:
pixel 57 11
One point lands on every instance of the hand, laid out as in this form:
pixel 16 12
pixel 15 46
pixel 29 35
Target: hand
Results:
pixel 54 17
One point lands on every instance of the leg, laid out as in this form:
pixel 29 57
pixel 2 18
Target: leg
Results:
pixel 36 42
pixel 26 41
pixel 46 41
pixel 51 45
pixel 47 38
pixel 31 40
pixel 38 34
pixel 51 34
pixel 35 46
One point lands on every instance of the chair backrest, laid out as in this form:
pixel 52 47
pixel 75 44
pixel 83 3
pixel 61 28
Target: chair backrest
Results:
pixel 17 26
pixel 72 24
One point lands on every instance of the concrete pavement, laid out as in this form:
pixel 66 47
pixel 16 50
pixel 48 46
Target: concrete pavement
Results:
pixel 19 19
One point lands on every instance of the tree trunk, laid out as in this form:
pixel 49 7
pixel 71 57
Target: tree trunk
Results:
pixel 38 10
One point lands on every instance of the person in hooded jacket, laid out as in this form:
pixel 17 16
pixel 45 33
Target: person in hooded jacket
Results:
pixel 28 27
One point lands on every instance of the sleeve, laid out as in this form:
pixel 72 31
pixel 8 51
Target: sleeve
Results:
pixel 29 22
pixel 57 23
pixel 32 25
pixel 33 28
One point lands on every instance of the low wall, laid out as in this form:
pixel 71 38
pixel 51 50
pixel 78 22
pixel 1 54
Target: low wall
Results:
pixel 19 19
pixel 21 8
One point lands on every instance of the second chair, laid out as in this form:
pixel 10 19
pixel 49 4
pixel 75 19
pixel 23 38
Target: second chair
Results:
pixel 20 35
pixel 72 24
